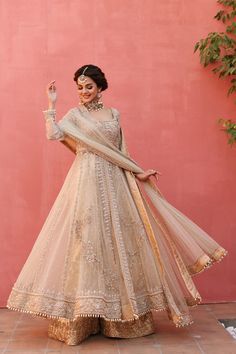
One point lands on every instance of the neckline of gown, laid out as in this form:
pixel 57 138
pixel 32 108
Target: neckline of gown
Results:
pixel 95 120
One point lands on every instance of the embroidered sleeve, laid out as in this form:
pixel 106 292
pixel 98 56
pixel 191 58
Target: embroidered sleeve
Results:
pixel 53 131
pixel 116 114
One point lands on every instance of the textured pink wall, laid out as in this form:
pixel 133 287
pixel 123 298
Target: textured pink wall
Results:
pixel 169 107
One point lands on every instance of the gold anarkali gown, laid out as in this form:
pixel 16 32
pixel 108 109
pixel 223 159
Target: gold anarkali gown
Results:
pixel 110 250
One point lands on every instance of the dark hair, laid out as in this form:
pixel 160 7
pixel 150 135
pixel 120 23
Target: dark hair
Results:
pixel 95 73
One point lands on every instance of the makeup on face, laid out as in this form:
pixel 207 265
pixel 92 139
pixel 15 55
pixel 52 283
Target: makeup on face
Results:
pixel 88 90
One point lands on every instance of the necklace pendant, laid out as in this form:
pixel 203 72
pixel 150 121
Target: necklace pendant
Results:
pixel 94 106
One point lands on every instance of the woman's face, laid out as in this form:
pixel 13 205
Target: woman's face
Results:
pixel 87 90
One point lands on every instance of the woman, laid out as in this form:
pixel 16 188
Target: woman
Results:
pixel 111 250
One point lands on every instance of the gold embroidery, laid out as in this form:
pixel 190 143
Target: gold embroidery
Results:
pixel 88 252
pixel 87 305
pixel 111 280
pixel 73 332
pixel 142 326
pixel 137 277
pixel 206 261
pixel 82 222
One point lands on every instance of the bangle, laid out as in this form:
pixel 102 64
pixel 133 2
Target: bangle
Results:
pixel 49 114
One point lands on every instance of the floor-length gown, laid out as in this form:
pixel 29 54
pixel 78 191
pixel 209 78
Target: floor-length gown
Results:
pixel 92 267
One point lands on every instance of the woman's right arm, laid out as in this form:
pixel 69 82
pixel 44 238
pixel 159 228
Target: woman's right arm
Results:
pixel 53 131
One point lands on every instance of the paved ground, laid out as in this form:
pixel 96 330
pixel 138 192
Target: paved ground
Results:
pixel 20 333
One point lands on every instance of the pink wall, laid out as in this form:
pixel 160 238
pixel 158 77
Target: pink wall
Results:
pixel 169 106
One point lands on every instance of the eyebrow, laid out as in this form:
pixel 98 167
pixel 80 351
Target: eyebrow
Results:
pixel 89 83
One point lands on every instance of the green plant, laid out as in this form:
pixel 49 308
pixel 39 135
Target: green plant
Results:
pixel 230 128
pixel 219 50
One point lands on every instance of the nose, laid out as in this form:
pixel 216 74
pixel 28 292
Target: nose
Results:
pixel 84 90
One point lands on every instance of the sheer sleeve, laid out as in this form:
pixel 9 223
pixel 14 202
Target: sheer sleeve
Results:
pixel 116 114
pixel 53 131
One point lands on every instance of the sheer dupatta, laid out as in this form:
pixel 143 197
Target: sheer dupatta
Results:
pixel 181 248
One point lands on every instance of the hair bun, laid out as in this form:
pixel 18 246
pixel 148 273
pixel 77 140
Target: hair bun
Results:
pixel 95 73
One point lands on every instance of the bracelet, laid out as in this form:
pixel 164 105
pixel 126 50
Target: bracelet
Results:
pixel 50 114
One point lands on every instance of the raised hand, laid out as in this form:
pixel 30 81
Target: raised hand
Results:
pixel 51 93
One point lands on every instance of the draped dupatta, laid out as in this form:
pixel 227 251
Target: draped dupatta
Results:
pixel 180 247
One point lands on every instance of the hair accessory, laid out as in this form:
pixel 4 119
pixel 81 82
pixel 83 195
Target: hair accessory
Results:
pixel 82 78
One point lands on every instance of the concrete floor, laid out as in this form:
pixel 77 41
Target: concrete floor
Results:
pixel 21 333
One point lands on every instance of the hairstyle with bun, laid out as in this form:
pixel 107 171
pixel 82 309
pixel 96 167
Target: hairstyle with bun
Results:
pixel 95 73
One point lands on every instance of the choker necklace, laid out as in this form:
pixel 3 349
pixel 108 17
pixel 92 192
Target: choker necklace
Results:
pixel 93 105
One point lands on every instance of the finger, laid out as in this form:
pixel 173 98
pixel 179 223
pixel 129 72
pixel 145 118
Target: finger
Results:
pixel 50 87
pixel 157 172
pixel 152 172
pixel 51 84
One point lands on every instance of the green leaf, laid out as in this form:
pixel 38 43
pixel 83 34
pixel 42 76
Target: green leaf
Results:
pixel 196 47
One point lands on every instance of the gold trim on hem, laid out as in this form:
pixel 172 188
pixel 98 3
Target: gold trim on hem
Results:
pixel 81 315
pixel 179 321
pixel 204 262
pixel 75 332
pixel 142 326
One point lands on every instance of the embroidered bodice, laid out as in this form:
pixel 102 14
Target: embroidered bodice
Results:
pixel 109 128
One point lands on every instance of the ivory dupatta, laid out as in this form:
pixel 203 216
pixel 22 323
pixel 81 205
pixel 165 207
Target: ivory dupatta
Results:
pixel 181 248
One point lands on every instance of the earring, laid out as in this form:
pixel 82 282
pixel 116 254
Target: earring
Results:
pixel 99 95
pixel 81 101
